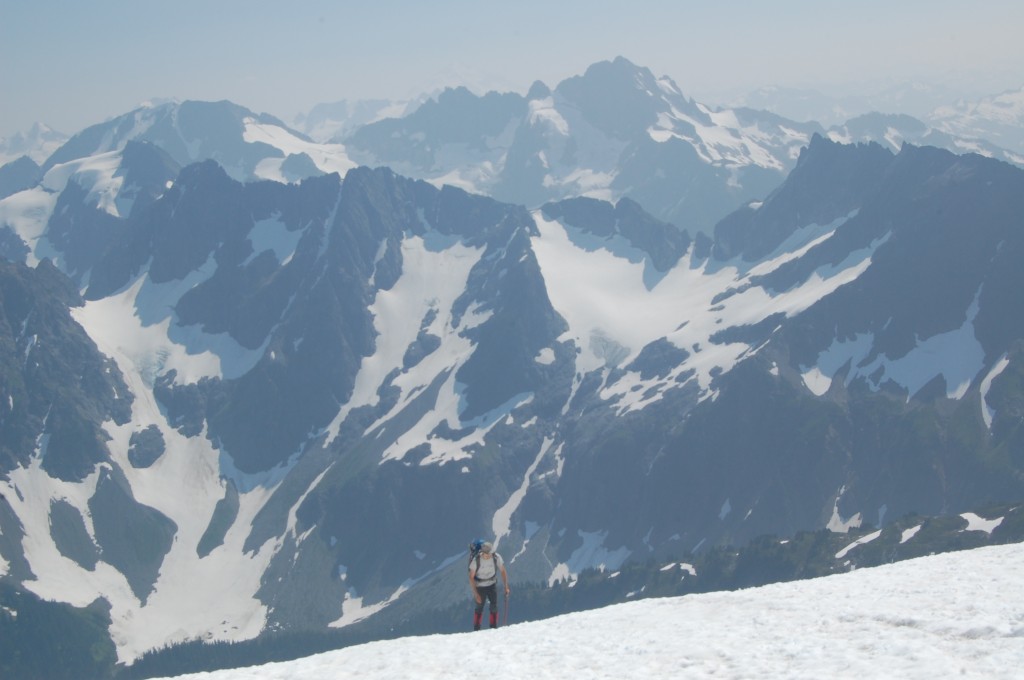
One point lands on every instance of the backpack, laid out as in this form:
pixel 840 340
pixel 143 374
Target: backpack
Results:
pixel 475 548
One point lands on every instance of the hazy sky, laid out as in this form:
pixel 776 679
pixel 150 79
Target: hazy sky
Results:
pixel 73 63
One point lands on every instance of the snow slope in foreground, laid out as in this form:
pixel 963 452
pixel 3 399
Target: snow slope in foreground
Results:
pixel 951 615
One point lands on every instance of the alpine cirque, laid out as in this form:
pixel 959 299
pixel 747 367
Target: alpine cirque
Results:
pixel 252 382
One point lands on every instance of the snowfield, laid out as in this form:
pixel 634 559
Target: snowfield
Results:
pixel 951 615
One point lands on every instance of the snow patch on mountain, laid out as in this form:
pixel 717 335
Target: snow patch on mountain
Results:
pixel 28 214
pixel 729 142
pixel 978 523
pixel 502 522
pixel 135 328
pixel 226 580
pixel 138 328
pixel 431 281
pixel 543 111
pixel 38 142
pixel 448 406
pixel 997 118
pixel 800 242
pixel 327 157
pixel 836 523
pixel 818 378
pixel 591 554
pixel 30 491
pixel 580 160
pixel 335 120
pixel 273 235
pixel 98 175
pixel 957 355
pixel 613 315
pixel 987 412
pixel 602 296
pixel 721 138
pixel 863 540
pixel 474 178
pixel 909 533
pixel 353 610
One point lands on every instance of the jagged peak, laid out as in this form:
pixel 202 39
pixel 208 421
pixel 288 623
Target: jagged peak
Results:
pixel 621 70
pixel 538 91
pixel 455 94
pixel 821 146
pixel 23 163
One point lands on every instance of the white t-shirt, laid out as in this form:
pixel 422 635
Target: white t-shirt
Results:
pixel 487 574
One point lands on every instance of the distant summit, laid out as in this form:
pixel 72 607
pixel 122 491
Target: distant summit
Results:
pixel 998 119
pixel 247 145
pixel 37 143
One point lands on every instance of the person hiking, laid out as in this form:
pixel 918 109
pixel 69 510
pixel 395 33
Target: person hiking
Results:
pixel 484 568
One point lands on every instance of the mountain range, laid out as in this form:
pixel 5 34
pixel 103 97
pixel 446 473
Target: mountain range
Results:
pixel 255 383
pixel 997 118
pixel 617 131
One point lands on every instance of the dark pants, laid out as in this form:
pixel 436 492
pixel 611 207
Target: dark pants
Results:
pixel 486 593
